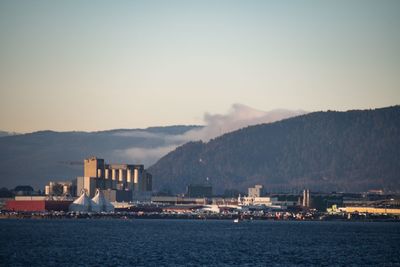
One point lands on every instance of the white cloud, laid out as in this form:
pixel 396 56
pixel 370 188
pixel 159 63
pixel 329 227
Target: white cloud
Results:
pixel 238 117
pixel 138 133
pixel 146 156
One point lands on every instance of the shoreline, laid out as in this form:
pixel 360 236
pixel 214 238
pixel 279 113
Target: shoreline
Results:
pixel 199 217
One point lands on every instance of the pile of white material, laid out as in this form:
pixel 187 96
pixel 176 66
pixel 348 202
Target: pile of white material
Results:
pixel 97 204
pixel 101 203
pixel 82 203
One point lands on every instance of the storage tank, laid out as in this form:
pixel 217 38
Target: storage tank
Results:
pixel 66 189
pixel 47 190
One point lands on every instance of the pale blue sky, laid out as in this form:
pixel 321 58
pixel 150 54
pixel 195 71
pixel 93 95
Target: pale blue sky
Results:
pixel 92 65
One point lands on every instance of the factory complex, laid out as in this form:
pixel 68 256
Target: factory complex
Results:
pixel 100 185
pixel 107 188
pixel 119 182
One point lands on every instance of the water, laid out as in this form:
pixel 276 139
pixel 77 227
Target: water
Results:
pixel 197 243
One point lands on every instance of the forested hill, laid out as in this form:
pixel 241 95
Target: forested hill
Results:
pixel 330 151
pixel 37 158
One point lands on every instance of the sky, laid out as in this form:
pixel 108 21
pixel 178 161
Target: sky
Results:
pixel 94 65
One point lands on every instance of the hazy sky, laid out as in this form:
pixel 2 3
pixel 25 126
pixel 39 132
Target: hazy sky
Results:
pixel 91 65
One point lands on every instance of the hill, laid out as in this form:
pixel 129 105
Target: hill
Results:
pixel 5 133
pixel 355 150
pixel 39 157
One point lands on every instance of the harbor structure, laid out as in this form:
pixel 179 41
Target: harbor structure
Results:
pixel 122 178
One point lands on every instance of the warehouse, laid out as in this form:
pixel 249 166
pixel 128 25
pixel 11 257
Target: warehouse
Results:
pixel 39 203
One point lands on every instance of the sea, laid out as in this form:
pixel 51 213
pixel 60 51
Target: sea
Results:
pixel 151 242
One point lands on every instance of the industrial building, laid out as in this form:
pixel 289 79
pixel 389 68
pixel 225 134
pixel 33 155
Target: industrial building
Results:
pixel 60 189
pixel 130 181
pixel 267 201
pixel 256 191
pixel 370 210
pixel 198 191
pixel 257 199
pixel 37 203
pixel 178 200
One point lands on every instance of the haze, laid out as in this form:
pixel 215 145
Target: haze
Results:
pixel 92 65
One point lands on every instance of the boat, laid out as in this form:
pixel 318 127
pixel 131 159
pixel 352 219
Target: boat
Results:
pixel 236 220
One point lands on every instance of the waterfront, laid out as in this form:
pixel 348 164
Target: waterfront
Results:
pixel 166 242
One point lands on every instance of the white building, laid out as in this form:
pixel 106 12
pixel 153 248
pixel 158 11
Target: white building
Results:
pixel 256 191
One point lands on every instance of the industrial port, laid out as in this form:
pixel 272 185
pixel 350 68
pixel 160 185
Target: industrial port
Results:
pixel 124 191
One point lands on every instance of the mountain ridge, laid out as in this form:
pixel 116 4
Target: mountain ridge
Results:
pixel 331 151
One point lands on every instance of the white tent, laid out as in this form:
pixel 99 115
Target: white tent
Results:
pixel 83 204
pixel 101 203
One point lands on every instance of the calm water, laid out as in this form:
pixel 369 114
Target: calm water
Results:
pixel 197 243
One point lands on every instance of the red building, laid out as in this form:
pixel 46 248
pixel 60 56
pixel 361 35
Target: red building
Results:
pixel 37 205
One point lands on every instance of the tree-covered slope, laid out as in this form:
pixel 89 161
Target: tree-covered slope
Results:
pixel 331 151
pixel 39 157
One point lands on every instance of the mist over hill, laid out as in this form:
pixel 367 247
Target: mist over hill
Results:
pixel 355 150
pixel 39 157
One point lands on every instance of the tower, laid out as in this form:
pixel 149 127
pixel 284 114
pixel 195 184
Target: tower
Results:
pixel 94 167
pixel 306 198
